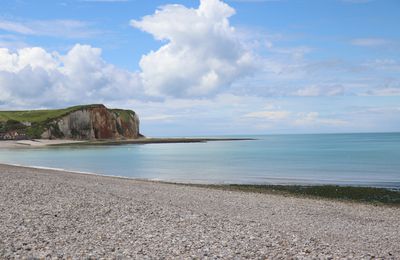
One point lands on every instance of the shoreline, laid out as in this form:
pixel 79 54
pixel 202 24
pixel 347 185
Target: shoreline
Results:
pixel 48 214
pixel 36 143
pixel 151 140
pixel 343 193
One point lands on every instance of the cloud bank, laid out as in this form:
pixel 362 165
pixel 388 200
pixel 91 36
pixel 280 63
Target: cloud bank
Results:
pixel 34 77
pixel 202 56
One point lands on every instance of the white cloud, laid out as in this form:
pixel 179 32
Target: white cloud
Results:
pixel 287 118
pixel 370 42
pixel 317 90
pixel 201 57
pixel 314 119
pixel 383 65
pixel 54 28
pixel 203 53
pixel 158 118
pixel 380 110
pixel 11 41
pixel 254 1
pixel 105 1
pixel 269 115
pixel 357 1
pixel 15 27
pixel 34 77
pixel 34 57
pixel 294 52
pixel 389 91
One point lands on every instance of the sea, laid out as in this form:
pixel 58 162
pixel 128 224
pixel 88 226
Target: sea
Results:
pixel 367 159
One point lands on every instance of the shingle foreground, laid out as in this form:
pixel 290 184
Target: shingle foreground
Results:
pixel 52 214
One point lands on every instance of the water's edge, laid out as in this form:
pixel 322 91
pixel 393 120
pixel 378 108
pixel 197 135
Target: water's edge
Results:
pixel 376 196
pixel 347 160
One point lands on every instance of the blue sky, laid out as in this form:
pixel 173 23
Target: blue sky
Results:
pixel 209 68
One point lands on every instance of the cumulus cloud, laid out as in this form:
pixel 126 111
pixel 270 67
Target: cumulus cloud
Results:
pixel 33 76
pixel 202 56
pixel 203 52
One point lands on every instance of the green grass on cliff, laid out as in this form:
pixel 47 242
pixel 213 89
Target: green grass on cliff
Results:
pixel 124 114
pixel 39 116
pixel 42 119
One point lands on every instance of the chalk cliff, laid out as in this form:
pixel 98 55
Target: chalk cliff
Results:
pixel 81 123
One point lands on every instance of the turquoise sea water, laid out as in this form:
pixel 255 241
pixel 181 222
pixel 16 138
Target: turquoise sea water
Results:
pixel 347 159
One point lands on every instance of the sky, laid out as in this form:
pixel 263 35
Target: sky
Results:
pixel 209 67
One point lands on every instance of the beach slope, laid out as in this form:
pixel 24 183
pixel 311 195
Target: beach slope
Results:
pixel 45 213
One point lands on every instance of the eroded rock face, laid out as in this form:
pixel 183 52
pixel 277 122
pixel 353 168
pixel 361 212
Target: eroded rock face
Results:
pixel 95 123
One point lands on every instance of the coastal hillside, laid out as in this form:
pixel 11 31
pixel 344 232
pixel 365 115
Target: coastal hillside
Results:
pixel 84 122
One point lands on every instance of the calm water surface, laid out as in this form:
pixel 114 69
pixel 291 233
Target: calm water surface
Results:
pixel 347 159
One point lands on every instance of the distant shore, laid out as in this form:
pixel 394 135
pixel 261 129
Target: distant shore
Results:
pixel 150 140
pixel 47 213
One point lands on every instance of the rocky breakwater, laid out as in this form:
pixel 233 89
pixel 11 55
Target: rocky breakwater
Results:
pixel 81 123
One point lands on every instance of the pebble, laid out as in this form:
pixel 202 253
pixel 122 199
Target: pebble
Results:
pixel 48 214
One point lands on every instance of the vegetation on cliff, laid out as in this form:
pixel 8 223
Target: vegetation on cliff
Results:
pixel 30 124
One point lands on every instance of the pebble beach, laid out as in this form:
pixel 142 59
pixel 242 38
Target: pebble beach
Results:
pixel 49 214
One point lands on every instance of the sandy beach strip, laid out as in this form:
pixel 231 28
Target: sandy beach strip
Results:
pixel 56 214
pixel 34 143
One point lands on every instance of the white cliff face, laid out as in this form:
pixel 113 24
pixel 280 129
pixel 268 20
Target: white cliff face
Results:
pixel 136 124
pixel 95 123
pixel 78 123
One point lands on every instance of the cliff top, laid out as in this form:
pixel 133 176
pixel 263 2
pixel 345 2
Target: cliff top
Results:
pixel 38 116
pixel 29 124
